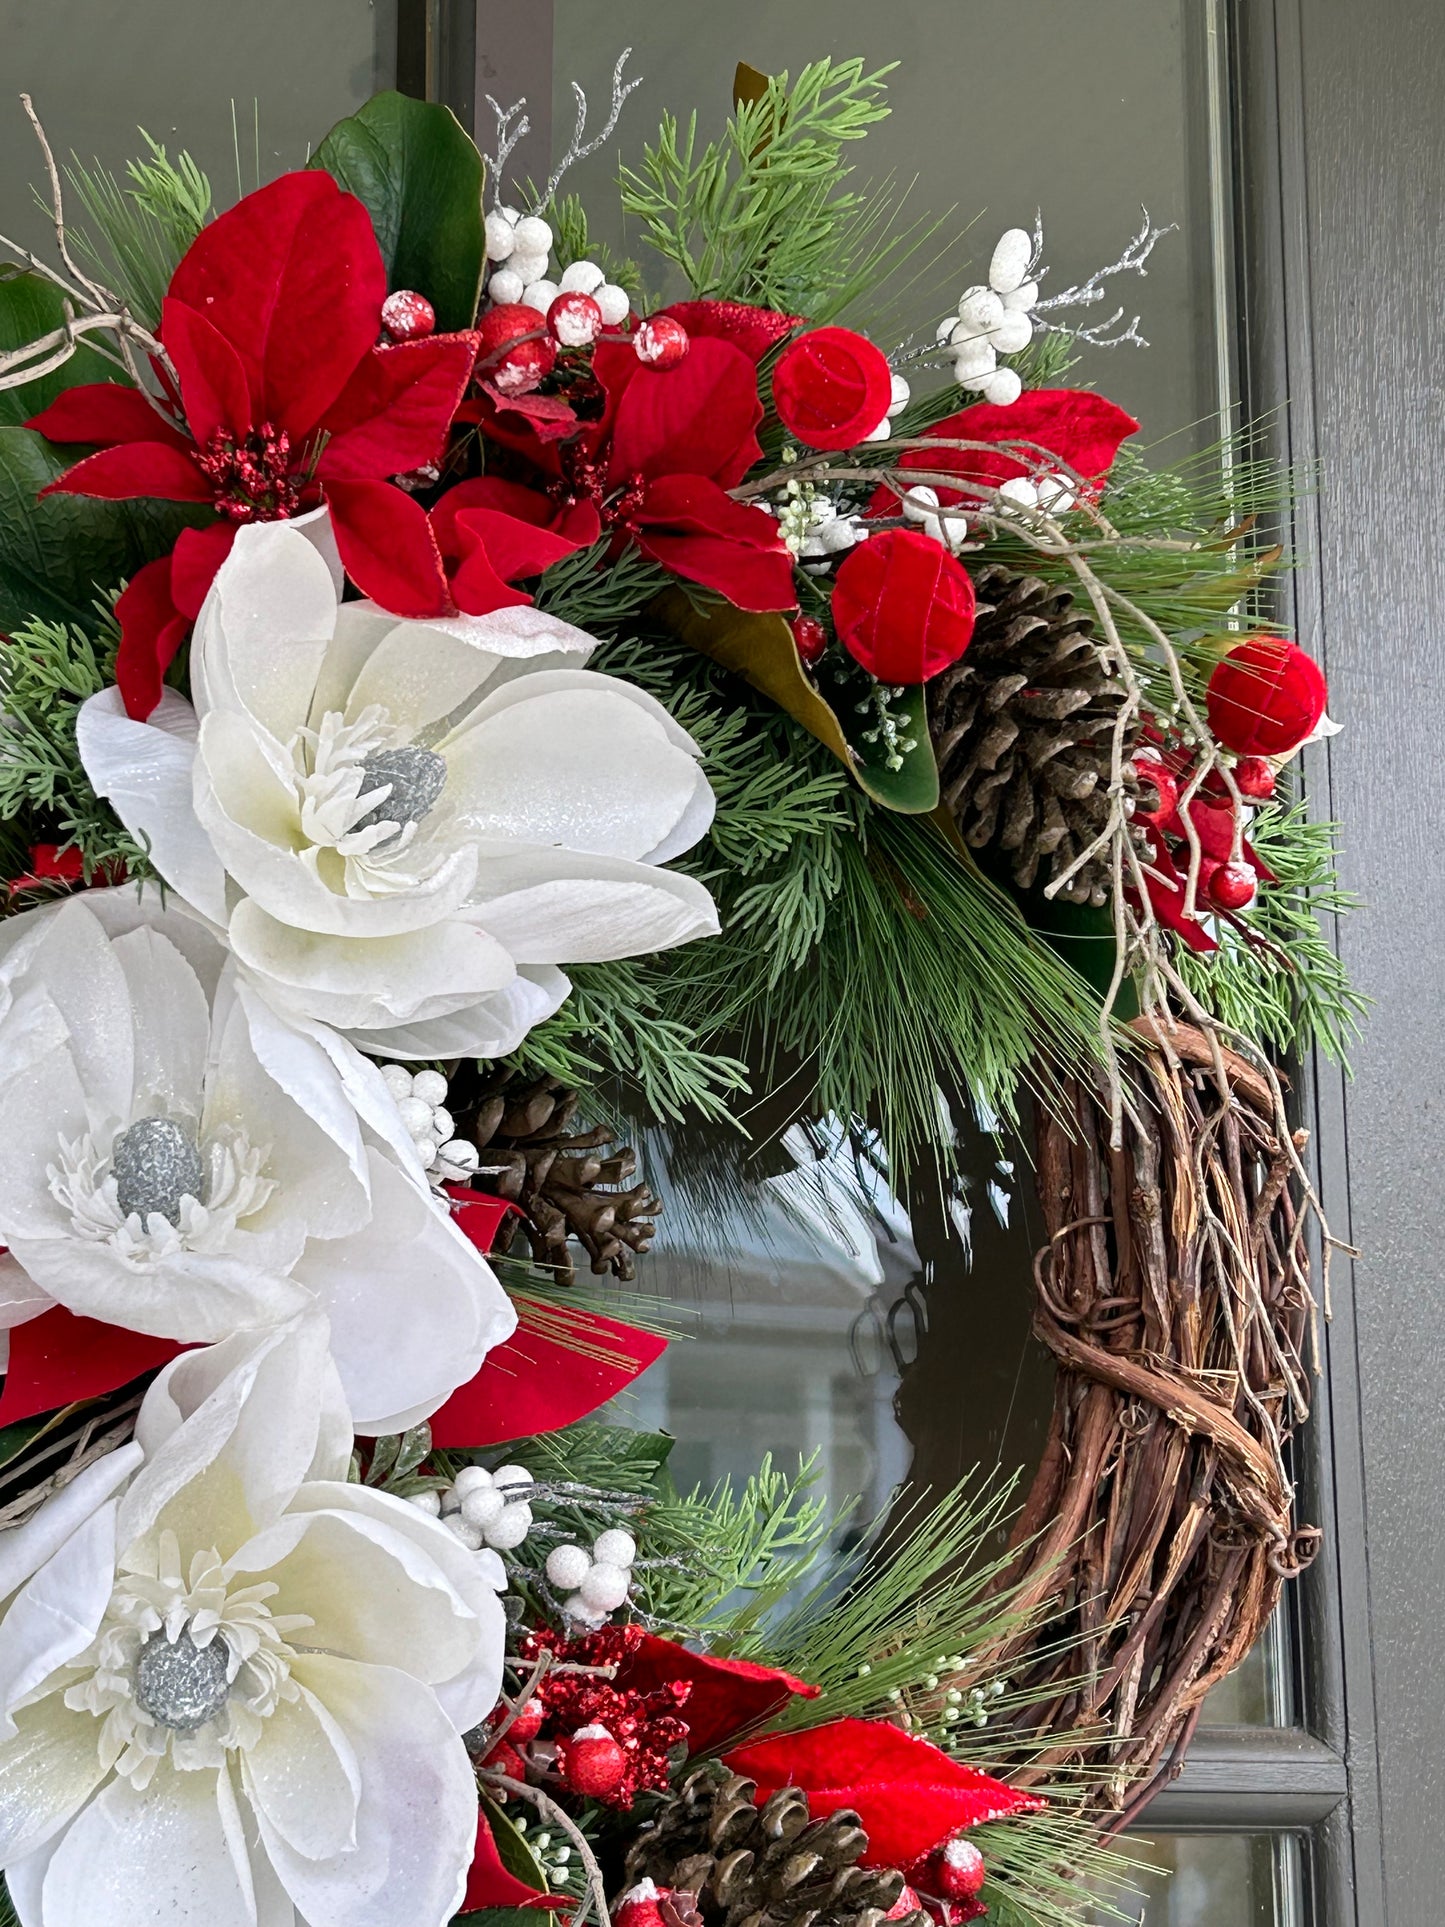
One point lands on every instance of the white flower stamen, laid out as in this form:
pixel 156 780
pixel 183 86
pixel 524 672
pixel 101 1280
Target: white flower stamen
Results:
pixel 233 1184
pixel 346 774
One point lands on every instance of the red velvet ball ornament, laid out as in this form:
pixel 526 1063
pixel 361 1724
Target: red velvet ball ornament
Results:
pixel 1254 777
pixel 528 1723
pixel 811 637
pixel 957 1870
pixel 408 316
pixel 1232 886
pixel 591 1762
pixel 574 320
pixel 516 369
pixel 504 1758
pixel 903 606
pixel 1265 697
pixel 660 341
pixel 831 388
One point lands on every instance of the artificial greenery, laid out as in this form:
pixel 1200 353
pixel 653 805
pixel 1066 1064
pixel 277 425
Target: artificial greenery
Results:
pixel 141 226
pixel 1276 977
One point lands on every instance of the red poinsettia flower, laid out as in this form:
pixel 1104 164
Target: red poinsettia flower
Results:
pixel 286 401
pixel 489 1884
pixel 728 1695
pixel 909 1795
pixel 492 534
pixel 1082 430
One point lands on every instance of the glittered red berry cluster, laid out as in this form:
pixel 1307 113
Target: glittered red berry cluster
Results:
pixel 580 1712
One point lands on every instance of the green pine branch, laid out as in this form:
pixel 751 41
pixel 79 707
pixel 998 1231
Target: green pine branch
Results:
pixel 143 225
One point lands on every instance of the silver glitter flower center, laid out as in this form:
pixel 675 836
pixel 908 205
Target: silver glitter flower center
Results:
pixel 180 1684
pixel 156 1163
pixel 417 777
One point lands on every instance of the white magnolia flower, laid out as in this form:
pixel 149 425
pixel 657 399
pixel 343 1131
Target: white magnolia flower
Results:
pixel 232 1694
pixel 405 827
pixel 179 1160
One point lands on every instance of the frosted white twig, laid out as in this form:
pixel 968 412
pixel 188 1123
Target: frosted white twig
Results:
pixel 510 130
pixel 577 151
pixel 1086 294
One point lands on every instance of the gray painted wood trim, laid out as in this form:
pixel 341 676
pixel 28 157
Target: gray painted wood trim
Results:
pixel 1245 1779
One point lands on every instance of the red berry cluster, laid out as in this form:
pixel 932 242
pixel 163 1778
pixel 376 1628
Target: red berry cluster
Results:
pixel 606 1742
pixel 1224 883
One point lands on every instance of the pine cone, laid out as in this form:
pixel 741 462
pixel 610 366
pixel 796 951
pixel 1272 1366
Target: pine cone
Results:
pixel 1023 728
pixel 564 1182
pixel 767 1866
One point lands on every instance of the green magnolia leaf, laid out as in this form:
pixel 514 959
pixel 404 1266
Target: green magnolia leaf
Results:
pixel 58 555
pixel 29 308
pixel 760 649
pixel 419 175
pixel 513 1851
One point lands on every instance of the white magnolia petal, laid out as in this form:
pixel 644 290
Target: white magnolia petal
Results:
pixel 414 1308
pixel 57 1611
pixel 193 1297
pixel 43 1104
pixel 263 629
pixel 360 628
pixel 417 1821
pixel 302 1776
pixel 173 1852
pixel 231 1433
pixel 85 981
pixel 47 1773
pixel 578 681
pixel 490 1027
pixel 25 1878
pixel 24 1549
pixel 557 906
pixel 419 678
pixel 615 782
pixel 146 773
pixel 692 826
pixel 148 906
pixel 171 1022
pixel 373 1103
pixel 21 1299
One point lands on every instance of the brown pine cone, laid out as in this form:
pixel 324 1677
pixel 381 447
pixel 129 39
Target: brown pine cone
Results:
pixel 762 1866
pixel 1023 728
pixel 567 1184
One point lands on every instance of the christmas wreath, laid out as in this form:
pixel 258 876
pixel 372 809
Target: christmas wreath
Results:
pixel 440 675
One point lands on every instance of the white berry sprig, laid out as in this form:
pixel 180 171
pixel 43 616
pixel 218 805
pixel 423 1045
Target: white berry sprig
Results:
pixel 421 1102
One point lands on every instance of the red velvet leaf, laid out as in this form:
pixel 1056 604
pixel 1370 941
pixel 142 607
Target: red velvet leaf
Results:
pixel 908 1793
pixel 1082 429
pixel 197 556
pixel 387 547
pixel 754 330
pixel 728 1695
pixel 152 629
pixel 394 413
pixel 105 413
pixel 213 382
pixel 698 418
pixel 692 528
pixel 293 278
pixel 162 470
pixel 537 1383
pixel 58 1358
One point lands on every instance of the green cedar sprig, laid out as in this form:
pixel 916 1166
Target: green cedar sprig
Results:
pixel 142 225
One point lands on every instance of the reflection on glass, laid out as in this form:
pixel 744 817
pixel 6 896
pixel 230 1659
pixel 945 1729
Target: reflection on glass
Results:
pixel 1259 1692
pixel 1213 1880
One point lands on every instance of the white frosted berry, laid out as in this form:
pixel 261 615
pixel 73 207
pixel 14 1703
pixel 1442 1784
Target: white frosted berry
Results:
pixel 605 1588
pixel 483 1506
pixel 457 1159
pixel 501 236
pixel 506 1475
pixel 978 311
pixel 451 1501
pixel 1002 388
pixel 615 303
pixel 918 501
pixel 533 235
pixel 1010 264
pixel 397 1079
pixel 1023 296
pixel 1056 494
pixel 900 395
pixel 1014 332
pixel 583 277
pixel 1019 489
pixel 568 1566
pixel 505 287
pixel 973 358
pixel 462 1528
pixel 576 1607
pixel 511 1527
pixel 429 1502
pixel 430 1087
pixel 415 1115
pixel 944 331
pixel 471 1478
pixel 531 267
pixel 426 1149
pixel 442 1125
pixel 540 295
pixel 881 433
pixel 614 1547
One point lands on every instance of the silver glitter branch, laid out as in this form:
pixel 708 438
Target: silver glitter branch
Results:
pixel 1086 294
pixel 512 127
pixel 577 151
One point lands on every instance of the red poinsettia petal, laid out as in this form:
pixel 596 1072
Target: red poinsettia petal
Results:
pixel 754 330
pixel 387 547
pixel 539 1382
pixel 525 423
pixel 490 1885
pixel 197 556
pixel 515 548
pixel 691 527
pixel 699 418
pixel 908 1793
pixel 478 588
pixel 394 413
pixel 728 1695
pixel 213 382
pixel 58 1358
pixel 579 522
pixel 293 278
pixel 152 629
pixel 1082 429
pixel 160 469
pixel 105 413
